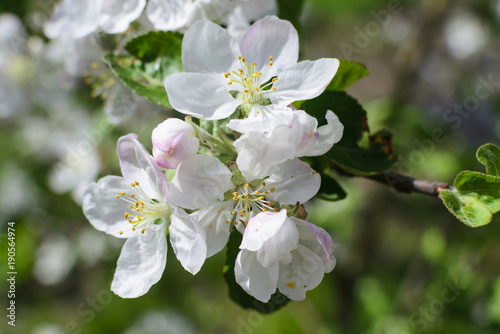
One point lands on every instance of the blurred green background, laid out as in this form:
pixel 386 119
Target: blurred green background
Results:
pixel 404 263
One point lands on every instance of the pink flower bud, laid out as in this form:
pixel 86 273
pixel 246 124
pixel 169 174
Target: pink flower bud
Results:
pixel 173 141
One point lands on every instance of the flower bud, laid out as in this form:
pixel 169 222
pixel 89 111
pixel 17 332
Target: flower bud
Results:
pixel 173 141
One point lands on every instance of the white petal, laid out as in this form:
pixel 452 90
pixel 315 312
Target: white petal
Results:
pixel 116 15
pixel 267 37
pixel 329 134
pixel 256 280
pixel 202 95
pixel 294 181
pixel 209 48
pixel 213 220
pixel 303 274
pixel 169 14
pixel 272 235
pixel 258 154
pixel 141 263
pixel 318 241
pixel 303 81
pixel 103 210
pixel 306 137
pixel 188 240
pixel 200 180
pixel 263 119
pixel 137 164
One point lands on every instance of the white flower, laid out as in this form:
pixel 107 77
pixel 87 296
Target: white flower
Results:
pixel 134 207
pixel 222 75
pixel 174 141
pixel 76 19
pixel 282 252
pixel 201 181
pixel 275 135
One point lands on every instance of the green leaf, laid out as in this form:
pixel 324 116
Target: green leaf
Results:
pixel 153 57
pixel 489 156
pixel 374 158
pixel 291 10
pixel 484 187
pixel 468 209
pixel 348 73
pixel 236 292
pixel 330 189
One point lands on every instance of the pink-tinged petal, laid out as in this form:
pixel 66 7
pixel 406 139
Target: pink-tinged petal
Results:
pixel 200 180
pixel 137 164
pixel 188 240
pixel 202 95
pixel 209 48
pixel 213 220
pixel 329 134
pixel 256 280
pixel 258 154
pixel 293 181
pixel 116 15
pixel 304 273
pixel 141 262
pixel 272 235
pixel 304 127
pixel 318 241
pixel 303 81
pixel 173 141
pixel 169 15
pixel 103 210
pixel 267 37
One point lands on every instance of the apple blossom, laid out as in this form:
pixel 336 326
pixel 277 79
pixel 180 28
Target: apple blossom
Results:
pixel 282 252
pixel 173 141
pixel 294 129
pixel 134 207
pixel 201 182
pixel 222 75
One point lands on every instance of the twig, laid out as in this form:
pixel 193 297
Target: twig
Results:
pixel 402 184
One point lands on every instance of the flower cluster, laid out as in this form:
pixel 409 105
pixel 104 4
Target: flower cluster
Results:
pixel 236 170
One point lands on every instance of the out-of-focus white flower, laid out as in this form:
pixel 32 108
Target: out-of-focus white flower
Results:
pixel 465 35
pixel 76 19
pixel 54 260
pixel 181 14
pixel 174 141
pixel 161 322
pixel 222 75
pixel 75 172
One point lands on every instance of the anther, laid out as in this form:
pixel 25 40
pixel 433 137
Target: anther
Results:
pixel 246 186
pixel 143 230
pixel 272 190
pixel 121 232
pixel 275 79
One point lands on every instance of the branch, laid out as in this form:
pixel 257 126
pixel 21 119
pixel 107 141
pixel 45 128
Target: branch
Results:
pixel 402 184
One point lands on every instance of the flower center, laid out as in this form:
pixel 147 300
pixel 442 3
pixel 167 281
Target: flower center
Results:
pixel 248 82
pixel 248 200
pixel 145 210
